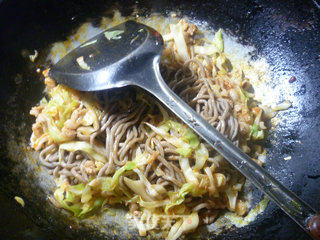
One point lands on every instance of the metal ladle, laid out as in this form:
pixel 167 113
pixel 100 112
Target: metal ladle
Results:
pixel 129 54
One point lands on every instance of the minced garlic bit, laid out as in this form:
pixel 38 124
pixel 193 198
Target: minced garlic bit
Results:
pixel 19 200
pixel 287 158
pixel 34 56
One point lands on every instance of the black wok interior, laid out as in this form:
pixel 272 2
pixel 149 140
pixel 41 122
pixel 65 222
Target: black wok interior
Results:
pixel 286 33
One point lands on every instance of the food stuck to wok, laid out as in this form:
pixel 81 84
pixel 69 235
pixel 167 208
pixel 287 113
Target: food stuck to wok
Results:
pixel 123 147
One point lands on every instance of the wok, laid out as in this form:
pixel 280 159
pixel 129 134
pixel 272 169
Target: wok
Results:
pixel 286 33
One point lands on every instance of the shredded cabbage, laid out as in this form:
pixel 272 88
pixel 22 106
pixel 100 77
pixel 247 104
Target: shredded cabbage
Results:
pixel 152 204
pixel 116 34
pixel 255 133
pixel 201 156
pixel 185 144
pixel 110 183
pixel 177 142
pixel 188 173
pixel 218 40
pixel 80 200
pixel 19 200
pixel 243 96
pixel 34 56
pixel 282 106
pixel 179 41
pixel 69 197
pixel 63 102
pixel 184 225
pixel 216 46
pixel 208 50
pixel 82 63
pixel 232 197
pixel 179 198
pixel 84 147
pixel 138 187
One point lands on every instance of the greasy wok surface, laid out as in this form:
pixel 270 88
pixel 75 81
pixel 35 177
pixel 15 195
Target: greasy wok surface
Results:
pixel 286 34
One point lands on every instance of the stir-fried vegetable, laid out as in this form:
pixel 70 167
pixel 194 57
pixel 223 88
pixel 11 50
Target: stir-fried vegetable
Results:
pixel 177 199
pixel 201 156
pixel 184 225
pixel 189 174
pixel 110 183
pixel 82 63
pixel 58 110
pixel 282 106
pixel 216 45
pixel 63 101
pixel 84 147
pixel 179 41
pixel 256 134
pixel 71 198
pixel 232 198
pixel 113 35
pixel 186 143
pixel 19 200
pixel 218 40
pixel 79 198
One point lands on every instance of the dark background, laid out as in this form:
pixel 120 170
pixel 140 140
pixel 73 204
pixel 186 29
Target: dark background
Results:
pixel 286 33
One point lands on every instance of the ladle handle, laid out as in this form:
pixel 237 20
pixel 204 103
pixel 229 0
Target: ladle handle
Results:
pixel 295 207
